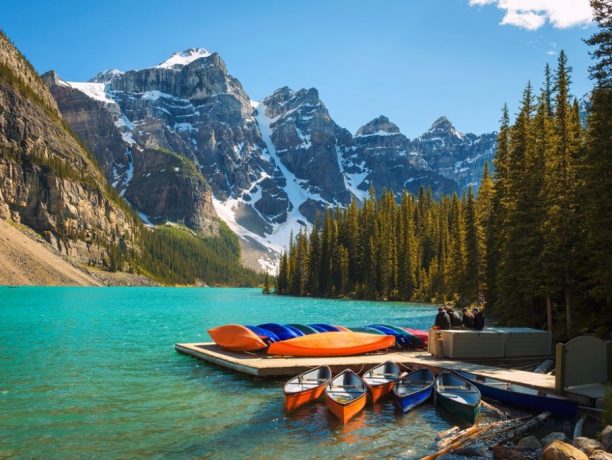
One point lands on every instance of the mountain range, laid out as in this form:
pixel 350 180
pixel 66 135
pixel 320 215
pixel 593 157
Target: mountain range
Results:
pixel 183 142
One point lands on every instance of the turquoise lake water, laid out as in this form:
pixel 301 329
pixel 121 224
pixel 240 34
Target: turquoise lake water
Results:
pixel 92 373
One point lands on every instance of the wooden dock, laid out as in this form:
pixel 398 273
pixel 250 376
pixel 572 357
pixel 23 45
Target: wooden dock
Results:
pixel 262 365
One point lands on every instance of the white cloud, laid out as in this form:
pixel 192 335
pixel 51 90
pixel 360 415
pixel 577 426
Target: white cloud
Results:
pixel 533 14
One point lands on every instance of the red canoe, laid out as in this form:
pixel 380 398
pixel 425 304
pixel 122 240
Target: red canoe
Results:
pixel 235 337
pixel 423 335
pixel 332 344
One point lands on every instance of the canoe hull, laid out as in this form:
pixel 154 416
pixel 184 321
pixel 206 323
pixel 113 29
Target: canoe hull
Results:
pixel 403 339
pixel 331 344
pixel 379 391
pixel 279 330
pixel 421 335
pixel 235 337
pixel 345 412
pixel 409 402
pixel 458 396
pixel 465 412
pixel 295 400
pixel 557 406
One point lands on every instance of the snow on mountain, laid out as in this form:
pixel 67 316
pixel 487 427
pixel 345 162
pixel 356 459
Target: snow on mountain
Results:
pixel 178 60
pixel 95 91
pixel 273 166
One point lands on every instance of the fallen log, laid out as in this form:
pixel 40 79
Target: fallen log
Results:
pixel 503 415
pixel 470 432
pixel 446 433
pixel 511 434
pixel 501 424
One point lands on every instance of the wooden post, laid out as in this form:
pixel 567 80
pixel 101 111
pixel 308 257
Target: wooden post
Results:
pixel 609 355
pixel 560 369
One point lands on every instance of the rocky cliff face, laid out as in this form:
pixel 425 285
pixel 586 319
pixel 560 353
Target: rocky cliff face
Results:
pixel 272 166
pixel 49 182
pixel 168 187
pixel 457 156
pixel 383 158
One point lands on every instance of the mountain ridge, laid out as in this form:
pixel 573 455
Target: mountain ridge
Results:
pixel 274 165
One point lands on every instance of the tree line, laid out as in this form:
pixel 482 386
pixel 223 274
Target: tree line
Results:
pixel 536 241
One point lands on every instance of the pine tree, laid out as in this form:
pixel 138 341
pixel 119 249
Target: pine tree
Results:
pixel 484 205
pixel 472 246
pixel 495 235
pixel 314 261
pixel 597 162
pixel 282 281
pixel 560 179
pixel 544 141
pixel 266 286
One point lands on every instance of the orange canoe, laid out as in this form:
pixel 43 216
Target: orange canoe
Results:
pixel 346 395
pixel 306 387
pixel 332 344
pixel 381 379
pixel 235 337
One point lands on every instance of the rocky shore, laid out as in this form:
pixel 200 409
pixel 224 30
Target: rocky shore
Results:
pixel 554 446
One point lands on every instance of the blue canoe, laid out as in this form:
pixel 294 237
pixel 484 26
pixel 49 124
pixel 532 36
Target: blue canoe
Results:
pixel 304 328
pixel 413 389
pixel 281 331
pixel 321 327
pixel 522 396
pixel 295 330
pixel 267 336
pixel 402 338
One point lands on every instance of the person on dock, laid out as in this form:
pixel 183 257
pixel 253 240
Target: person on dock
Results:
pixel 455 319
pixel 479 320
pixel 468 319
pixel 442 319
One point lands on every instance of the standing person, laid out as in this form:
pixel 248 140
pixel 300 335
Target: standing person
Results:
pixel 479 320
pixel 468 319
pixel 455 319
pixel 442 319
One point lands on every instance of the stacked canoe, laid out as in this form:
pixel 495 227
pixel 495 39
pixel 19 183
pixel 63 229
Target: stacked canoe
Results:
pixel 317 339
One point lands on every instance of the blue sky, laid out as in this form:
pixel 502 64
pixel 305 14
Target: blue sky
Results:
pixel 412 60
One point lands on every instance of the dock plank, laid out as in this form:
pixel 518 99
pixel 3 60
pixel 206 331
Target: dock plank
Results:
pixel 258 364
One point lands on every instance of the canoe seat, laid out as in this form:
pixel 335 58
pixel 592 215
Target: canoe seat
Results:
pixel 377 381
pixel 456 397
pixel 300 386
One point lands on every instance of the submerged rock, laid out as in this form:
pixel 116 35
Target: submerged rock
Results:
pixel 507 453
pixel 529 443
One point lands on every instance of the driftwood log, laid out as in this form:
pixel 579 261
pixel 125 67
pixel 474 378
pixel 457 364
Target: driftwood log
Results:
pixel 492 433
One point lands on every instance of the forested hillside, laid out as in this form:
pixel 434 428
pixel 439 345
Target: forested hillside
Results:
pixel 52 184
pixel 535 243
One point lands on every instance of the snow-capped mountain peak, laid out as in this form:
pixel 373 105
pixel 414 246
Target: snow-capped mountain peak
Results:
pixel 444 125
pixel 105 76
pixel 180 59
pixel 380 126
